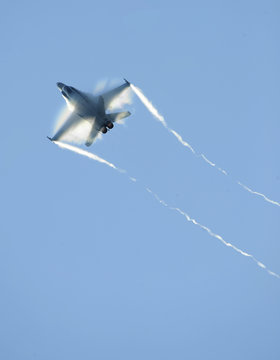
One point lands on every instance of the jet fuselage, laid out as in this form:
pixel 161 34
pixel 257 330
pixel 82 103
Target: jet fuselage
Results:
pixel 87 107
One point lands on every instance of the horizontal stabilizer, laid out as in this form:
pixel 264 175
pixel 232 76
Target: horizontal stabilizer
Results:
pixel 117 116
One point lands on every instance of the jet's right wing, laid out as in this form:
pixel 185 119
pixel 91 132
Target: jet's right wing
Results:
pixel 109 96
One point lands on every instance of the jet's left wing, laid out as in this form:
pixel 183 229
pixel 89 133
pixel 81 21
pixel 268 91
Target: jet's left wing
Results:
pixel 69 124
pixel 109 96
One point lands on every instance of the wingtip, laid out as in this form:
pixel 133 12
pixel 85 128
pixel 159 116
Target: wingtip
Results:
pixel 50 138
pixel 126 81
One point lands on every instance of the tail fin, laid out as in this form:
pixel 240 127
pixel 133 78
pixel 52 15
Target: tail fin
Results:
pixel 117 116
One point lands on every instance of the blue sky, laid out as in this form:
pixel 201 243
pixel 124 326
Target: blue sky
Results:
pixel 91 265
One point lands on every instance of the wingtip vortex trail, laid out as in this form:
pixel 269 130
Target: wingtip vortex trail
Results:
pixel 163 203
pixel 87 154
pixel 258 194
pixel 159 117
pixel 212 234
pixel 148 104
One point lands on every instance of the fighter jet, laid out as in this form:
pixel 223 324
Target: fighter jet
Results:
pixel 87 107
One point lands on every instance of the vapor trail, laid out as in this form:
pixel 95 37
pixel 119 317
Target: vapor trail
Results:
pixel 211 233
pixel 159 117
pixel 163 203
pixel 148 104
pixel 213 164
pixel 87 154
pixel 259 194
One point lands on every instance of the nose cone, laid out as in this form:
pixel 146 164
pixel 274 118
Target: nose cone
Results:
pixel 60 85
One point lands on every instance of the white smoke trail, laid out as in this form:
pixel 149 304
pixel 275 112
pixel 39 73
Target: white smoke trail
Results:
pixel 211 233
pixel 159 117
pixel 259 194
pixel 163 203
pixel 213 164
pixel 179 137
pixel 87 154
pixel 148 104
